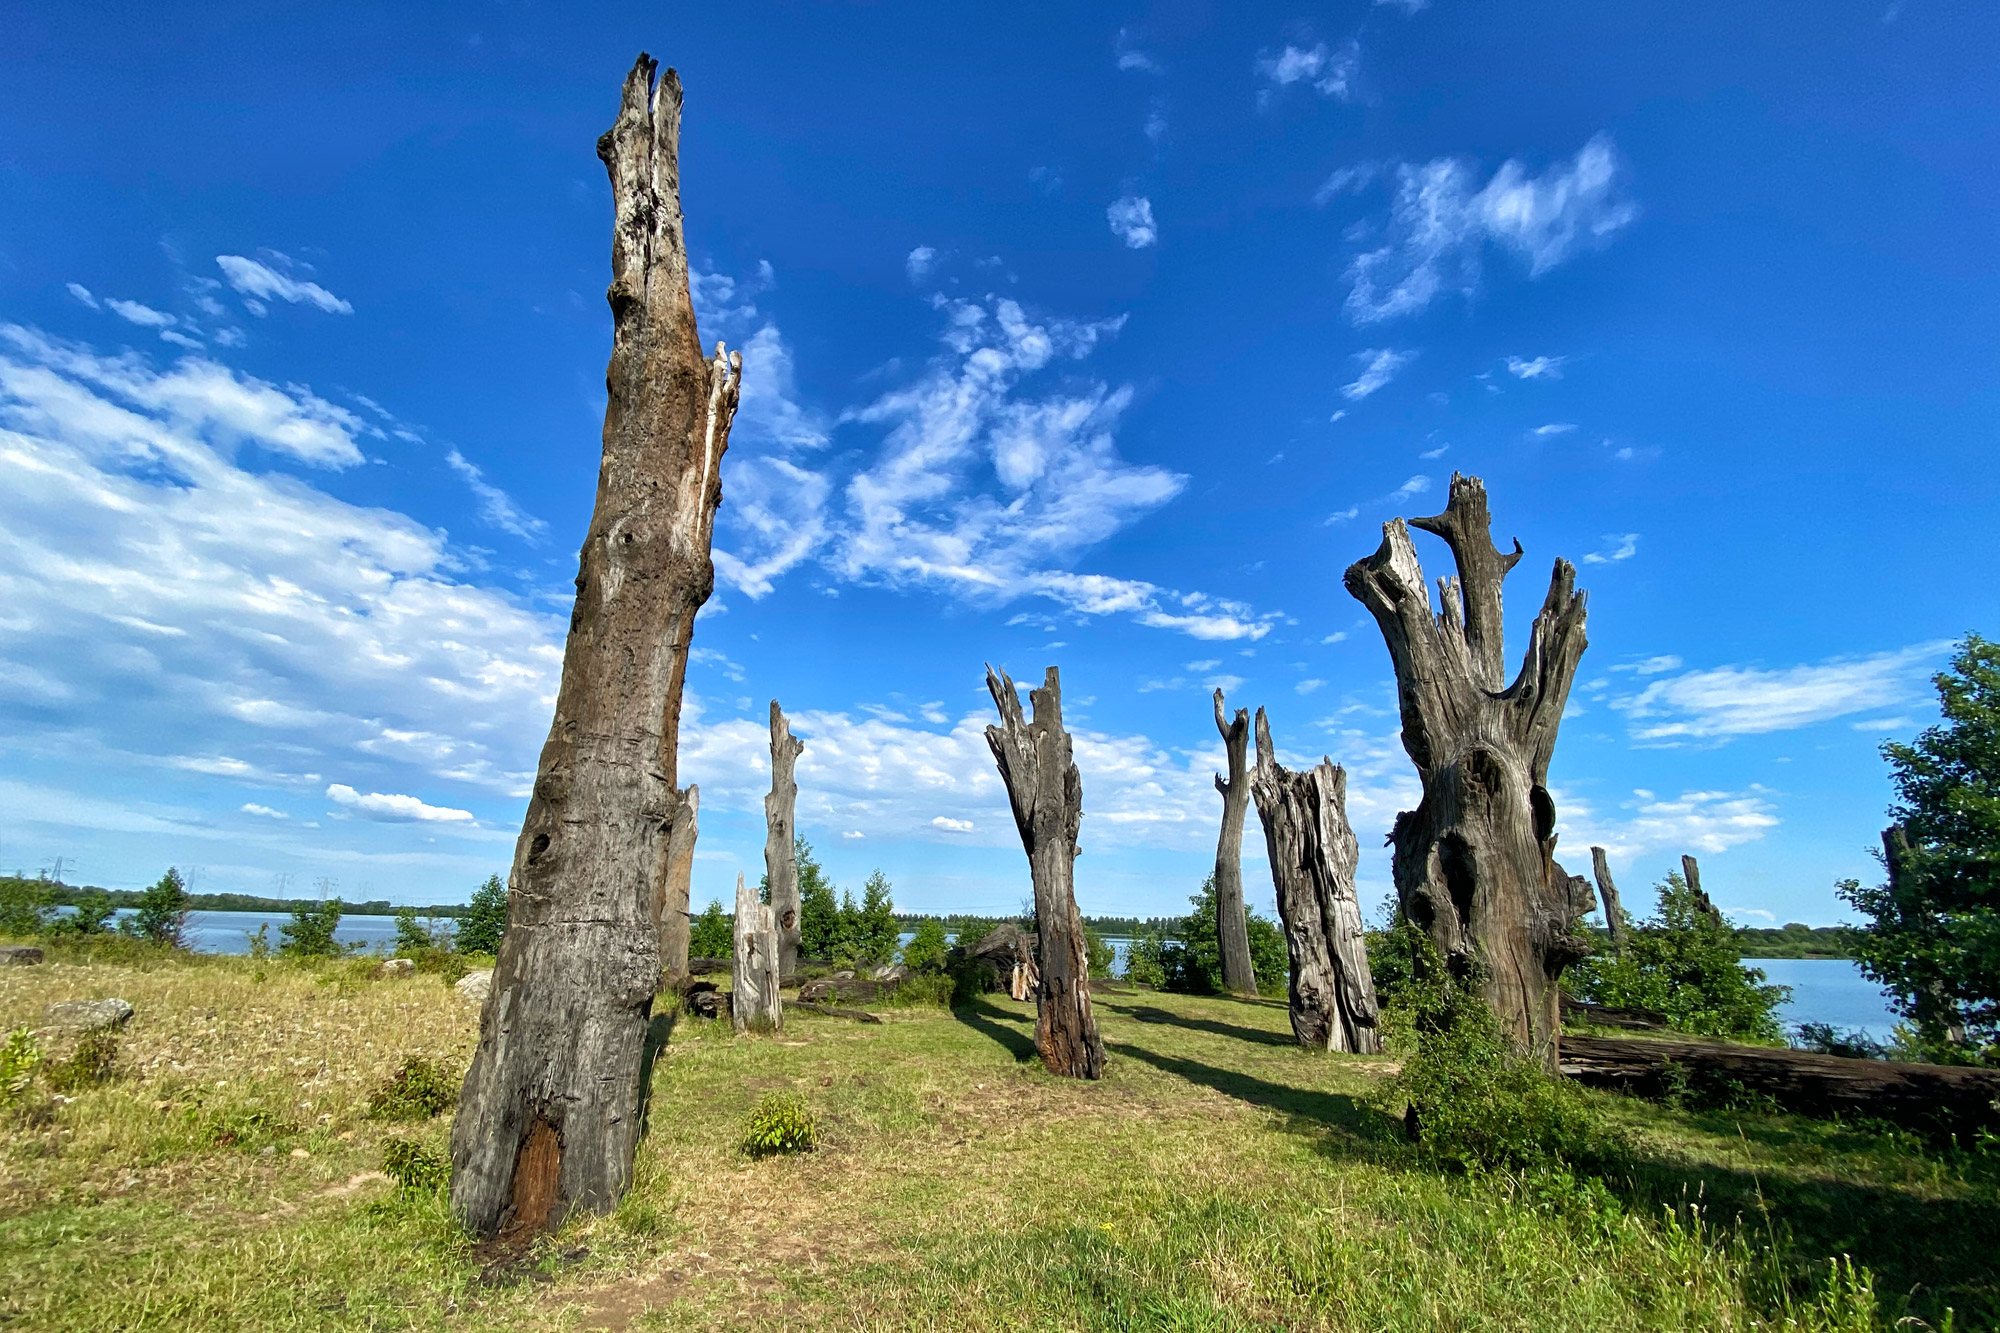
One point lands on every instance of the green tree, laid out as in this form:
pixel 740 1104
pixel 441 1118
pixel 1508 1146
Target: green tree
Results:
pixel 162 912
pixel 713 933
pixel 91 915
pixel 1684 962
pixel 820 928
pixel 1097 953
pixel 24 905
pixel 875 928
pixel 485 921
pixel 309 934
pixel 1182 955
pixel 928 947
pixel 419 938
pixel 1933 936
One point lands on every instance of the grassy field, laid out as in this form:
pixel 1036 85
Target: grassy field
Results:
pixel 1219 1178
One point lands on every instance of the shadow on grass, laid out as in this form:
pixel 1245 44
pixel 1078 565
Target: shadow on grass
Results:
pixel 980 1016
pixel 1332 1110
pixel 658 1032
pixel 1146 1013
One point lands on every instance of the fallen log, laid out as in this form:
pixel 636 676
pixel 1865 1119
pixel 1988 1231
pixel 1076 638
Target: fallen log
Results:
pixel 1929 1098
pixel 835 1011
pixel 845 988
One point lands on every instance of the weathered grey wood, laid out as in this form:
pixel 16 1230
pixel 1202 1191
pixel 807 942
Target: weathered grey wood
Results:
pixel 834 1011
pixel 1232 926
pixel 670 913
pixel 781 866
pixel 1313 855
pixel 1474 863
pixel 1691 875
pixel 548 1117
pixel 1046 794
pixel 1607 895
pixel 1930 1097
pixel 755 1004
pixel 1611 1016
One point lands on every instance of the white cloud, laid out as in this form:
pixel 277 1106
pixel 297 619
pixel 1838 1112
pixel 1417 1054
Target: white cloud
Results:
pixel 1623 546
pixel 143 315
pixel 257 280
pixel 1722 702
pixel 82 293
pixel 1553 428
pixel 381 805
pixel 495 505
pixel 1696 821
pixel 1407 6
pixel 1346 515
pixel 1378 366
pixel 1439 224
pixel 1206 664
pixel 1409 490
pixel 1651 666
pixel 1536 368
pixel 950 825
pixel 1326 70
pixel 1308 686
pixel 263 811
pixel 920 262
pixel 1155 130
pixel 1131 219
pixel 1346 180
pixel 1884 724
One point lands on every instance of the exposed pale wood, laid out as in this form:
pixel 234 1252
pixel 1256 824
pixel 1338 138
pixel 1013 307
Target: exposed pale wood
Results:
pixel 1607 896
pixel 676 873
pixel 1928 1097
pixel 1232 927
pixel 1313 855
pixel 755 1003
pixel 553 1090
pixel 1046 794
pixel 781 864
pixel 1475 862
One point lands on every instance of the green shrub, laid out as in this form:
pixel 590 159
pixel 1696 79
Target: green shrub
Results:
pixel 1185 957
pixel 94 1061
pixel 928 947
pixel 90 916
pixel 920 990
pixel 1099 953
pixel 782 1123
pixel 415 1168
pixel 485 921
pixel 713 933
pixel 24 905
pixel 162 913
pixel 419 1090
pixel 20 1056
pixel 309 934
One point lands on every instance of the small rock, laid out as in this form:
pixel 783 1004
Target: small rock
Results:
pixel 300 1152
pixel 89 1015
pixel 475 985
pixel 19 955
pixel 396 967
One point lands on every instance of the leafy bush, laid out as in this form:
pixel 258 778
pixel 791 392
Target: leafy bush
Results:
pixel 1184 956
pixel 419 1090
pixel 1825 1039
pixel 414 1168
pixel 94 1061
pixel 1684 963
pixel 920 990
pixel 485 921
pixel 20 1055
pixel 90 916
pixel 309 934
pixel 782 1123
pixel 1100 954
pixel 713 933
pixel 926 951
pixel 162 913
pixel 24 905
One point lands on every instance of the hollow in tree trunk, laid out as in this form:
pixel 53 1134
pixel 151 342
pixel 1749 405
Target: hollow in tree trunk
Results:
pixel 1474 863
pixel 548 1117
pixel 676 872
pixel 781 863
pixel 1046 793
pixel 1232 927
pixel 1313 856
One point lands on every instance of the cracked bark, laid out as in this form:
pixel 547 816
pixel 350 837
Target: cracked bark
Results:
pixel 1046 794
pixel 781 865
pixel 1474 863
pixel 1232 927
pixel 1313 856
pixel 549 1114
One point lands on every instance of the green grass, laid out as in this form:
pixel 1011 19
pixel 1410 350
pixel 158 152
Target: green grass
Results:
pixel 1218 1178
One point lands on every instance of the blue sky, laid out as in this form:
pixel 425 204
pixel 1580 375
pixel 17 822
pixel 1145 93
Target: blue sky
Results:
pixel 1098 337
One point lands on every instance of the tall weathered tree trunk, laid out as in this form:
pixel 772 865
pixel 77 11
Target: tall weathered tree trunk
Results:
pixel 1232 926
pixel 548 1118
pixel 1475 861
pixel 754 1002
pixel 781 863
pixel 1046 793
pixel 1607 893
pixel 670 914
pixel 1313 856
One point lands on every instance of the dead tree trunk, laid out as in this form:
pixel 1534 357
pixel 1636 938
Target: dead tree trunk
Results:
pixel 670 903
pixel 1607 893
pixel 1475 861
pixel 1046 793
pixel 753 998
pixel 781 863
pixel 1313 856
pixel 548 1117
pixel 1232 927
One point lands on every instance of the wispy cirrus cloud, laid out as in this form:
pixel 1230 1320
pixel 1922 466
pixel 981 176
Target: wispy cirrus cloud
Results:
pixel 1327 70
pixel 1379 365
pixel 258 282
pixel 1536 367
pixel 1718 703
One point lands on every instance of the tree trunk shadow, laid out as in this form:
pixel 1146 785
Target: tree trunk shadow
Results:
pixel 1332 1110
pixel 658 1032
pixel 979 1015
pixel 1145 1013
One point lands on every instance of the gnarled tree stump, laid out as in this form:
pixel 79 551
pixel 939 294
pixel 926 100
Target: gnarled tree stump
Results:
pixel 548 1117
pixel 1232 926
pixel 1475 861
pixel 754 1002
pixel 670 903
pixel 1046 793
pixel 1313 855
pixel 781 863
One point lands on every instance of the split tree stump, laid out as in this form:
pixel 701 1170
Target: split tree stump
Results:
pixel 1313 856
pixel 781 864
pixel 1607 894
pixel 1046 794
pixel 549 1114
pixel 1475 863
pixel 1232 924
pixel 754 1002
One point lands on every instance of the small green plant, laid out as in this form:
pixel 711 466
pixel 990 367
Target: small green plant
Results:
pixel 93 1062
pixel 259 941
pixel 782 1123
pixel 419 1090
pixel 921 990
pixel 20 1055
pixel 415 1168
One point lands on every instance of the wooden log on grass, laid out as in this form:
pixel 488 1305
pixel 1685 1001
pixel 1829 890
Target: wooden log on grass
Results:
pixel 549 1114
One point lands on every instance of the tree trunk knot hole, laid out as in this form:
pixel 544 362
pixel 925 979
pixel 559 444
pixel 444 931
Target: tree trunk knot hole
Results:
pixel 537 847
